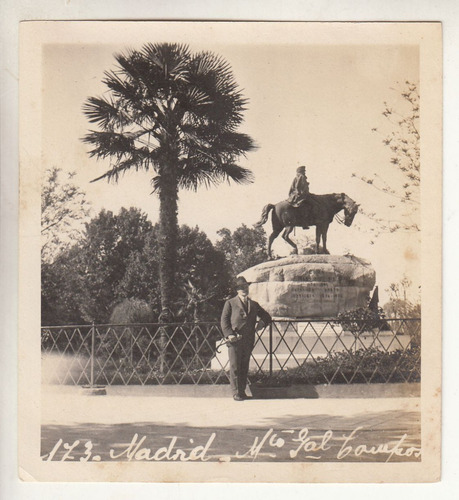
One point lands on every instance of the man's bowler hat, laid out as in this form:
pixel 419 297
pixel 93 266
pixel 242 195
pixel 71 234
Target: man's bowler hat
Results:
pixel 241 283
pixel 301 169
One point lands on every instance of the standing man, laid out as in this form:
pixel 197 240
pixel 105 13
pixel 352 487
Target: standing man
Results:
pixel 299 192
pixel 238 321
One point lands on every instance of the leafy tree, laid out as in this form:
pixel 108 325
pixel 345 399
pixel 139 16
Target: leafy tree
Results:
pixel 115 267
pixel 204 267
pixel 401 303
pixel 64 210
pixel 243 248
pixel 63 291
pixel 202 275
pixel 399 308
pixel 403 189
pixel 175 114
pixel 141 278
pixel 82 284
pixel 105 252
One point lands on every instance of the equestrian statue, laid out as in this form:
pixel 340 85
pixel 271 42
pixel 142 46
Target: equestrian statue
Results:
pixel 305 209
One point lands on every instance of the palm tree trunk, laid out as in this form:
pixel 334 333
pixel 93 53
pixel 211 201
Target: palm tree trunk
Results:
pixel 168 231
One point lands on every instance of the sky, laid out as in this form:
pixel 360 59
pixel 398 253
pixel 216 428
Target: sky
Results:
pixel 309 104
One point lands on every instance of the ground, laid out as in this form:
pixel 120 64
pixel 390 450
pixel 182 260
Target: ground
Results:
pixel 141 423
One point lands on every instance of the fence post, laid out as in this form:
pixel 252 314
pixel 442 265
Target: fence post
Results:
pixel 93 340
pixel 270 350
pixel 91 389
pixel 196 343
pixel 162 355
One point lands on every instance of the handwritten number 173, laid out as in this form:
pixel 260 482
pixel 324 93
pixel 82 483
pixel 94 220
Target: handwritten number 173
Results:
pixel 68 449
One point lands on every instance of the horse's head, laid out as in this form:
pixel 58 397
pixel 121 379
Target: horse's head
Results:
pixel 350 209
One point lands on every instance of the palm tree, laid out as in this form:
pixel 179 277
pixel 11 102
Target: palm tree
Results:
pixel 173 113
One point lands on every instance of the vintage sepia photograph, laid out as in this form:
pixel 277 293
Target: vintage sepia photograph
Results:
pixel 230 251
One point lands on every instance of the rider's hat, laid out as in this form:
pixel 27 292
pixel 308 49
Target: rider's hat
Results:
pixel 241 283
pixel 301 170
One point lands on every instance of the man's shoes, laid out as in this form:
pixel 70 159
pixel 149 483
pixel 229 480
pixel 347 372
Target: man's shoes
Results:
pixel 241 397
pixel 305 227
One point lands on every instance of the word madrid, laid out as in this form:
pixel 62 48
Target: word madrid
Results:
pixel 288 444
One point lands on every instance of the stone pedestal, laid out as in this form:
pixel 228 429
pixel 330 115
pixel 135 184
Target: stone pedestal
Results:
pixel 311 286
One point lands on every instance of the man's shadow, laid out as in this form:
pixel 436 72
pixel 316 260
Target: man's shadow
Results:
pixel 265 391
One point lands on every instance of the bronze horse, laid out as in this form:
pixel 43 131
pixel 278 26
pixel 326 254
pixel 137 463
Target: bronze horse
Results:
pixel 319 212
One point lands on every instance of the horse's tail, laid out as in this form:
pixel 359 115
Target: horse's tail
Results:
pixel 264 215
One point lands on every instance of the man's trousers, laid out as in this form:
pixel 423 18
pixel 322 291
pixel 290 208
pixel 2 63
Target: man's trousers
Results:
pixel 239 359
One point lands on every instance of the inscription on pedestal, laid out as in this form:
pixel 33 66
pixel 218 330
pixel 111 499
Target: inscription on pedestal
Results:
pixel 316 291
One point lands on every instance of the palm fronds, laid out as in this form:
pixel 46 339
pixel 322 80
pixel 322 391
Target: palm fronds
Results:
pixel 167 108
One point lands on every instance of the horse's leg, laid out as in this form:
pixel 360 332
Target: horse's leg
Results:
pixel 277 228
pixel 286 234
pixel 318 232
pixel 324 238
pixel 272 237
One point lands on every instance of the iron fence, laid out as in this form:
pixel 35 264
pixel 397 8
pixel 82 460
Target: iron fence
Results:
pixel 304 351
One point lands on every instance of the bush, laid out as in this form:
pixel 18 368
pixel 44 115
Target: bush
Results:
pixel 362 320
pixel 361 366
pixel 131 311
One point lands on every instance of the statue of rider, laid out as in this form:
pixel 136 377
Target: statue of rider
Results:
pixel 298 195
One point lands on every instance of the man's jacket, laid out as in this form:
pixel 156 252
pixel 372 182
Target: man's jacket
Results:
pixel 235 319
pixel 299 190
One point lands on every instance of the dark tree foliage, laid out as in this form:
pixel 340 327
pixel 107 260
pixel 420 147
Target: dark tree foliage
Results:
pixel 64 294
pixel 81 286
pixel 116 267
pixel 202 275
pixel 243 248
pixel 109 242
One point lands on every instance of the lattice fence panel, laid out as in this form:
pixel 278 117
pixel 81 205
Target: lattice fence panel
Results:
pixel 303 351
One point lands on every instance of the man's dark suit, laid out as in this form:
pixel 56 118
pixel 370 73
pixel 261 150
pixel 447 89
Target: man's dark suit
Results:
pixel 236 318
